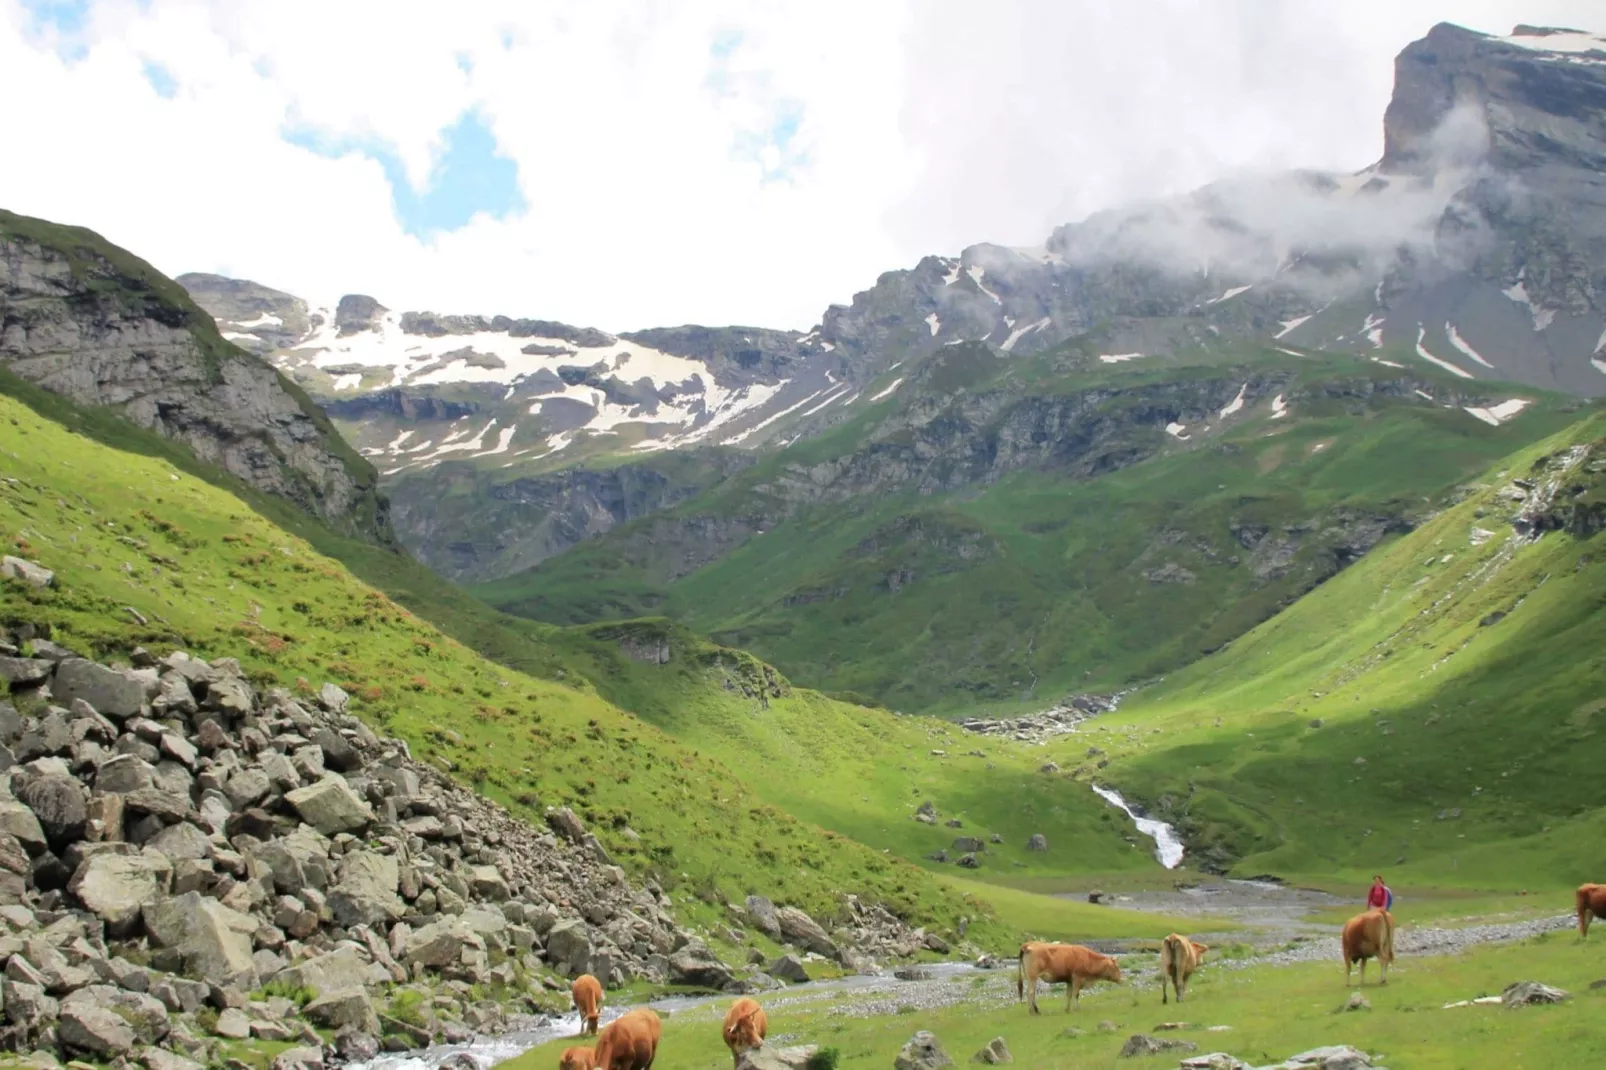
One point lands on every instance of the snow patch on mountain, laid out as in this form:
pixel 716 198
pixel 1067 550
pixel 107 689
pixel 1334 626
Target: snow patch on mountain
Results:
pixel 1291 325
pixel 1117 358
pixel 934 323
pixel 1463 345
pixel 1422 351
pixel 1230 294
pixel 1236 403
pixel 1373 329
pixel 1020 332
pixel 1495 415
pixel 888 391
pixel 1279 408
pixel 977 273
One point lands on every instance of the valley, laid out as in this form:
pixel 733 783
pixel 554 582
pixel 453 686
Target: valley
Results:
pixel 374 673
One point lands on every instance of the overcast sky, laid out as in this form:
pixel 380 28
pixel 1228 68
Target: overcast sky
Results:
pixel 634 164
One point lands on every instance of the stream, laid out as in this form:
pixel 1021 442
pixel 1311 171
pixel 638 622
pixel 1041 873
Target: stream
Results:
pixel 527 1033
pixel 1167 847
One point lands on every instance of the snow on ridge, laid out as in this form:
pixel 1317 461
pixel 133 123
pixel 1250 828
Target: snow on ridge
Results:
pixel 890 388
pixel 1290 352
pixel 504 439
pixel 348 381
pixel 976 272
pixel 1236 403
pixel 1572 44
pixel 1495 415
pixel 1176 430
pixel 1230 294
pixel 263 319
pixel 1019 332
pixel 833 395
pixel 742 436
pixel 1117 358
pixel 1279 408
pixel 934 323
pixel 1518 292
pixel 953 273
pixel 1373 329
pixel 1463 345
pixel 1291 325
pixel 1422 351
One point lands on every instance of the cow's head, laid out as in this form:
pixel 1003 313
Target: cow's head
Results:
pixel 577 1059
pixel 1110 970
pixel 1199 950
pixel 742 1034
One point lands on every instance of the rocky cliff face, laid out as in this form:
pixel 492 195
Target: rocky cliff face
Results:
pixel 85 320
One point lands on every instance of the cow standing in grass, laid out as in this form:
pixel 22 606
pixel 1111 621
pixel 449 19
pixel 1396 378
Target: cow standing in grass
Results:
pixel 745 1026
pixel 1071 963
pixel 1591 903
pixel 1179 957
pixel 630 1042
pixel 587 995
pixel 1369 936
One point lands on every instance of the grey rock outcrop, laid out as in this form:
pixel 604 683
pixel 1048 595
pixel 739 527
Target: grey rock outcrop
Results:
pixel 923 1052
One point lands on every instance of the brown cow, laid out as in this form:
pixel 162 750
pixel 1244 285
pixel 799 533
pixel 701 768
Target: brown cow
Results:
pixel 629 1042
pixel 577 1059
pixel 1591 902
pixel 587 994
pixel 1179 957
pixel 1366 936
pixel 1071 963
pixel 745 1026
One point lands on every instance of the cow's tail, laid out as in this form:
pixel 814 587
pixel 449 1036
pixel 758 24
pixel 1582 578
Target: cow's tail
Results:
pixel 1388 937
pixel 1583 909
pixel 1020 975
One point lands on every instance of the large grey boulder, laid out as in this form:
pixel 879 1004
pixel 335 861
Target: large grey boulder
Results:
pixel 123 773
pixel 246 787
pixel 24 672
pixel 26 1002
pixel 183 840
pixel 19 821
pixel 1038 842
pixel 341 1008
pixel 995 1053
pixel 1139 1044
pixel 24 571
pixel 804 931
pixel 95 1031
pixel 761 912
pixel 143 1013
pixel 366 893
pixel 297 861
pixel 770 1057
pixel 695 965
pixel 336 971
pixel 117 887
pixel 330 806
pixel 110 692
pixel 922 1052
pixel 214 940
pixel 569 945
pixel 60 805
pixel 789 968
pixel 1527 993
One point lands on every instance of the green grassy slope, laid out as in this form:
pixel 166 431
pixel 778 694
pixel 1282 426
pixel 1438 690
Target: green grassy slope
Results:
pixel 861 772
pixel 1057 579
pixel 1435 710
pixel 130 534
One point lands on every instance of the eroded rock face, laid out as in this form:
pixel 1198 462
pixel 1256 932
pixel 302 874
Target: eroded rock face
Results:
pixel 120 335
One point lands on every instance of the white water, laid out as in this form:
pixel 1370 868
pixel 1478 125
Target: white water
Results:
pixel 1167 848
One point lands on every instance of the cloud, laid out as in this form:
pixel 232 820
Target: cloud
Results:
pixel 709 161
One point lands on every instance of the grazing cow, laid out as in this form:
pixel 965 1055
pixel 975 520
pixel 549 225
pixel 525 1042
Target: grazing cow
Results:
pixel 1072 963
pixel 1367 936
pixel 745 1026
pixel 587 994
pixel 1179 957
pixel 1591 902
pixel 577 1059
pixel 629 1042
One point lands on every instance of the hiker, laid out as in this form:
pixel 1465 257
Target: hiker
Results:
pixel 1380 897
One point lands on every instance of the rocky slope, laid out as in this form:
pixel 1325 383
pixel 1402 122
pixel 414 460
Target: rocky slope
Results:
pixel 1475 245
pixel 84 319
pixel 185 862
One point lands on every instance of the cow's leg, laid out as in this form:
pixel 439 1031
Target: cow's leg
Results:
pixel 1584 914
pixel 1031 995
pixel 1363 973
pixel 1347 966
pixel 1162 986
pixel 1383 965
pixel 1073 993
pixel 1181 985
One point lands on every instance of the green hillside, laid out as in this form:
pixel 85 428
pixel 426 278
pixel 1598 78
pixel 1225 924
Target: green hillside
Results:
pixel 1435 710
pixel 147 553
pixel 1118 552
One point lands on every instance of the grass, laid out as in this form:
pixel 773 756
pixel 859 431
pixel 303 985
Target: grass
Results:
pixel 1272 1012
pixel 1456 680
pixel 1086 573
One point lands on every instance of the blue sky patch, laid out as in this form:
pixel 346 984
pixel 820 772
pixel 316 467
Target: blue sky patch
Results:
pixel 66 18
pixel 469 178
pixel 161 79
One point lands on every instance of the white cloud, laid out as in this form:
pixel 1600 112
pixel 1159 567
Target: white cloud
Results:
pixel 654 192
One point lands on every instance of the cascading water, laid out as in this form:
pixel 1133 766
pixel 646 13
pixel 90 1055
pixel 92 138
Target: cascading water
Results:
pixel 1167 847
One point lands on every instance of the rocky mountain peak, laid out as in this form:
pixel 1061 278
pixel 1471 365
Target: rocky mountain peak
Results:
pixel 357 312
